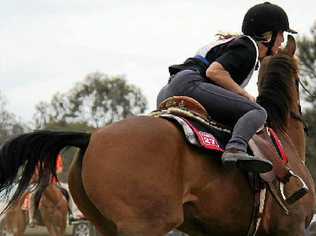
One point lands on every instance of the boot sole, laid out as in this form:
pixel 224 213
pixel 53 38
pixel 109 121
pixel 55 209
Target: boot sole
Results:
pixel 256 166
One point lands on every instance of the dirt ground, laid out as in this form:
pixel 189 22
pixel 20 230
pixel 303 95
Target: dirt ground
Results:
pixel 42 231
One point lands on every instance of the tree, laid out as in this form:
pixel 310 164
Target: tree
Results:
pixel 310 118
pixel 97 101
pixel 9 126
pixel 307 56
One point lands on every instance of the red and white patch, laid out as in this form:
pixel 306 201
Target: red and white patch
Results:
pixel 207 140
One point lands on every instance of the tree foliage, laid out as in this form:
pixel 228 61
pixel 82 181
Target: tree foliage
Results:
pixel 310 118
pixel 307 57
pixel 9 126
pixel 92 103
pixel 97 101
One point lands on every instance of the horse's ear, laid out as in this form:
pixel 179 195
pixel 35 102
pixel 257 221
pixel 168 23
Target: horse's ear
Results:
pixel 290 47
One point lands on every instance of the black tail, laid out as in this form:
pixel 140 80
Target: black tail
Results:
pixel 23 154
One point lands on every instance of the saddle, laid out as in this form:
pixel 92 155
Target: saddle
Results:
pixel 200 130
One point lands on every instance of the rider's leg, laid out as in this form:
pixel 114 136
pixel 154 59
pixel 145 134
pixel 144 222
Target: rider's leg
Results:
pixel 31 210
pixel 227 107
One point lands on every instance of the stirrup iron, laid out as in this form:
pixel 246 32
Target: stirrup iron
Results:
pixel 296 195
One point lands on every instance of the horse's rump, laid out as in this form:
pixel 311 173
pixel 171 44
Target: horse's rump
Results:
pixel 150 172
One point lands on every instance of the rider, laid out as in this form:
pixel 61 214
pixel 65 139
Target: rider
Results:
pixel 217 75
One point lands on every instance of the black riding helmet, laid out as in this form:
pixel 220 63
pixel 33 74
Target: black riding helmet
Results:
pixel 265 17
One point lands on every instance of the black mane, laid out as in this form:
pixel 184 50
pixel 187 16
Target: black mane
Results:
pixel 274 87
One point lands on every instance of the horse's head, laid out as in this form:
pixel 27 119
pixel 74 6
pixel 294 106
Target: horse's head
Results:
pixel 278 86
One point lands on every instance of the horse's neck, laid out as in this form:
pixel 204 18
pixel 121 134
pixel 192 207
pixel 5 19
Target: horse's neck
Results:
pixel 297 135
pixel 295 127
pixel 294 138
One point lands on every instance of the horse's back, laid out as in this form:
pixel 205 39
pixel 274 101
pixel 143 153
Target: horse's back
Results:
pixel 135 140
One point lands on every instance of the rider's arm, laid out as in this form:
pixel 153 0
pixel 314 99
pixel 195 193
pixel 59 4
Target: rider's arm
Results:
pixel 217 74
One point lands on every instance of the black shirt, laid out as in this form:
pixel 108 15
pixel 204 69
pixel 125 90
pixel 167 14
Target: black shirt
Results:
pixel 237 55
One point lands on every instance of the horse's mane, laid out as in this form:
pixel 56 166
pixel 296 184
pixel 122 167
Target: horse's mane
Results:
pixel 274 87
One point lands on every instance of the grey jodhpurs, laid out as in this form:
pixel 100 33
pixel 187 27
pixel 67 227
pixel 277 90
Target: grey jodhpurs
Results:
pixel 222 105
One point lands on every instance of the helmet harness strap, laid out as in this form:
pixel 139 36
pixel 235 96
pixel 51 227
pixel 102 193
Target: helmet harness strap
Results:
pixel 270 44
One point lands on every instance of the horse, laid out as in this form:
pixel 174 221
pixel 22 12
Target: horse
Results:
pixel 50 208
pixel 51 202
pixel 14 222
pixel 139 176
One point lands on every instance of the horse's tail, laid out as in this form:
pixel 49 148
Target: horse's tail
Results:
pixel 22 155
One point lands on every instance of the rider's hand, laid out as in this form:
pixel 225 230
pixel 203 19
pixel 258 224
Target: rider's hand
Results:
pixel 249 96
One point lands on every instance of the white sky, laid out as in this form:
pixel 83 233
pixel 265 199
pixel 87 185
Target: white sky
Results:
pixel 49 45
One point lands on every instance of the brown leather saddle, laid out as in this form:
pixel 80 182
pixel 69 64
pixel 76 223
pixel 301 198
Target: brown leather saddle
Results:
pixel 262 145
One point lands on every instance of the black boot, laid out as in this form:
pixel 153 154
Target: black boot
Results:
pixel 242 160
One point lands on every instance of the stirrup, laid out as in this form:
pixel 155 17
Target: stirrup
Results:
pixel 297 194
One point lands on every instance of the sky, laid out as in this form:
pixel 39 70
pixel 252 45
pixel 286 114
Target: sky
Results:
pixel 46 46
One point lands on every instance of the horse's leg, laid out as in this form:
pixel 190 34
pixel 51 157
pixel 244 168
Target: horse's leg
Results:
pixel 62 216
pixel 23 222
pixel 50 221
pixel 31 210
pixel 19 224
pixel 133 174
pixel 54 214
pixel 81 199
pixel 14 222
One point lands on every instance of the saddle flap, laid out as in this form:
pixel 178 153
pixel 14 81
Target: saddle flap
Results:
pixel 264 145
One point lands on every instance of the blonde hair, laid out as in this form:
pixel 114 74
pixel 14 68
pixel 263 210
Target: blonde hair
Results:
pixel 267 36
pixel 226 35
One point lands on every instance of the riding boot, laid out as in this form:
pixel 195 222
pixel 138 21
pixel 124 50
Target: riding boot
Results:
pixel 244 161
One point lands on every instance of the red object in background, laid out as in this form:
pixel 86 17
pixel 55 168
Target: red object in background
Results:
pixel 59 164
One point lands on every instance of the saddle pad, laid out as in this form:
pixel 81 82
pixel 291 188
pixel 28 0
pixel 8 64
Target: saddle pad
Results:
pixel 196 134
pixel 206 140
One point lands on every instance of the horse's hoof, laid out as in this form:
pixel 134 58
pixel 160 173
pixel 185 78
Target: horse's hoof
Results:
pixel 31 225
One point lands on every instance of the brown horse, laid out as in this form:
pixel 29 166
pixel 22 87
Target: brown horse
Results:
pixel 52 204
pixel 15 220
pixel 140 177
pixel 51 207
